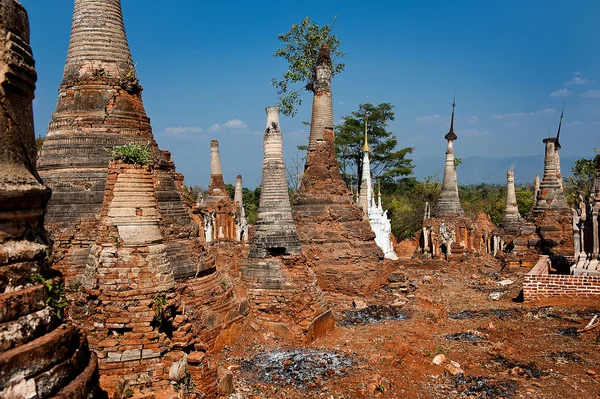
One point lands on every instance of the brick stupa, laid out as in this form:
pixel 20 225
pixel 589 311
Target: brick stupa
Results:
pixel 447 233
pixel 282 288
pixel 152 299
pixel 100 106
pixel 551 213
pixel 511 218
pixel 40 355
pixel 330 226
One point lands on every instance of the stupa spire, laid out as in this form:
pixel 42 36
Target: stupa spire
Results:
pixel 511 218
pixel 98 43
pixel 217 190
pixel 275 230
pixel 448 203
pixel 322 110
pixel 562 115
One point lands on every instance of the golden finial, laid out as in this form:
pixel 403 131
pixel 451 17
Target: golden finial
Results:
pixel 379 188
pixel 365 147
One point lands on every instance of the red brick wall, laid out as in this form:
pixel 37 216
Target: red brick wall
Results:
pixel 539 284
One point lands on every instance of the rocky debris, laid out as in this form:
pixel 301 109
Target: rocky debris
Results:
pixel 373 314
pixel 565 357
pixel 439 359
pixel 453 369
pixel 505 282
pixel 305 368
pixel 495 296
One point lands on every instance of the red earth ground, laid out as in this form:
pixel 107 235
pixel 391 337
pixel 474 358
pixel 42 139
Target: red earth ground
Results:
pixel 519 353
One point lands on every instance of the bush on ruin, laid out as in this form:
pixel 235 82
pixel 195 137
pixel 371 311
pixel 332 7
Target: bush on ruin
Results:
pixel 131 153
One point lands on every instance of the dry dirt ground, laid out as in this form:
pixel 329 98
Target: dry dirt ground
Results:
pixel 510 349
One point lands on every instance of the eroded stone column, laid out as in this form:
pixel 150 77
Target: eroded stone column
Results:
pixel 511 219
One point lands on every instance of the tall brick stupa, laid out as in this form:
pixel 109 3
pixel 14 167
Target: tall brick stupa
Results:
pixel 282 288
pixel 40 355
pixel 331 228
pixel 99 107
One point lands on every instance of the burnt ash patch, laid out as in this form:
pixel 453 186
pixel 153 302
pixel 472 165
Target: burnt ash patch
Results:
pixel 529 369
pixel 569 332
pixel 300 368
pixel 372 315
pixel 565 357
pixel 485 388
pixel 479 314
pixel 467 336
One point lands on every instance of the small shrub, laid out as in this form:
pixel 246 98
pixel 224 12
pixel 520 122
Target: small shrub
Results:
pixel 224 284
pixel 159 305
pixel 57 299
pixel 131 153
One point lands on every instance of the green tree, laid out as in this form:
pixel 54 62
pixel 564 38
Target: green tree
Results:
pixel 300 49
pixel 39 142
pixel 581 184
pixel 387 162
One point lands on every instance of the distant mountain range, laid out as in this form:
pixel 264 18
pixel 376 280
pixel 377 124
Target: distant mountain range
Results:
pixel 476 170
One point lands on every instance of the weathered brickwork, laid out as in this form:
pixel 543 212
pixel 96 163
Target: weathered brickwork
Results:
pixel 100 106
pixel 331 228
pixel 281 285
pixel 540 284
pixel 40 355
pixel 140 321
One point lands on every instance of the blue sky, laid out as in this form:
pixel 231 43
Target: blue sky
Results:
pixel 206 69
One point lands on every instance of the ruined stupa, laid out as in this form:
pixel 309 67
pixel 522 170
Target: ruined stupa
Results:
pixel 448 202
pixel 220 216
pixel 447 233
pixel 99 107
pixel 40 355
pixel 550 194
pixel 330 226
pixel 282 288
pixel 216 188
pixel 551 214
pixel 511 219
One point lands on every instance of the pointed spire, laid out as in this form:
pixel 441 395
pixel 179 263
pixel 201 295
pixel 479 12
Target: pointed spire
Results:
pixel 365 147
pixel 562 115
pixel 379 188
pixel 448 203
pixel 451 135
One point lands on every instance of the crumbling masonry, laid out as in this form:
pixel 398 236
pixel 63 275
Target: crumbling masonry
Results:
pixel 40 355
pixel 282 288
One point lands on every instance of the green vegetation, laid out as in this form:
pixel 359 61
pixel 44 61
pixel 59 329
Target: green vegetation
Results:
pixel 387 163
pixel 405 202
pixel 159 304
pixel 581 185
pixel 300 50
pixel 56 299
pixel 132 153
